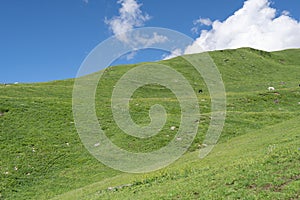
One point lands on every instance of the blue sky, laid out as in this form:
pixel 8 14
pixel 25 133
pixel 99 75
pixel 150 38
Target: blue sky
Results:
pixel 49 39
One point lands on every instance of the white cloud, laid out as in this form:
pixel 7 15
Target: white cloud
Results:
pixel 203 21
pixel 285 12
pixel 137 40
pixel 195 30
pixel 148 40
pixel 130 17
pixel 131 55
pixel 254 25
pixel 173 54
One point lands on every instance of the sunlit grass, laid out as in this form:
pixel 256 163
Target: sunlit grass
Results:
pixel 257 156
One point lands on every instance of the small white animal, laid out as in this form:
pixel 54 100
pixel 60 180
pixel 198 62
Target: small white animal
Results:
pixel 173 128
pixel 271 88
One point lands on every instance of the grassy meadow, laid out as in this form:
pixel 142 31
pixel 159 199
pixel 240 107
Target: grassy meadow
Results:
pixel 257 156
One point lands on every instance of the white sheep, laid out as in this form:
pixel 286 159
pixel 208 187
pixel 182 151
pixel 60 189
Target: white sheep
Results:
pixel 97 144
pixel 271 88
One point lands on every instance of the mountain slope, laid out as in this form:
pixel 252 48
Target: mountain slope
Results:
pixel 42 155
pixel 246 166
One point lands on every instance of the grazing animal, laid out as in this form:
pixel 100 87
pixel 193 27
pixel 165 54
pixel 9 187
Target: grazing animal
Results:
pixel 2 112
pixel 299 85
pixel 271 88
pixel 200 91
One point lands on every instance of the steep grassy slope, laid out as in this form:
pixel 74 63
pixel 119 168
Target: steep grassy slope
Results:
pixel 258 157
pixel 259 165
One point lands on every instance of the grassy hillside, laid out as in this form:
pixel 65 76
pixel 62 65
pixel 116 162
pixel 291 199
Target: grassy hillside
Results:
pixel 257 157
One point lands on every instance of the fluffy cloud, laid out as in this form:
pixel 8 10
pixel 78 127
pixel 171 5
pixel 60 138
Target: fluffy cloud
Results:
pixel 130 16
pixel 285 12
pixel 254 25
pixel 174 53
pixel 201 22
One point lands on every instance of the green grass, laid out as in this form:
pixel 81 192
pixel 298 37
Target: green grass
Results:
pixel 257 156
pixel 243 167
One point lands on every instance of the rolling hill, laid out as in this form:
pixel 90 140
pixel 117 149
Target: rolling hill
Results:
pixel 257 156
